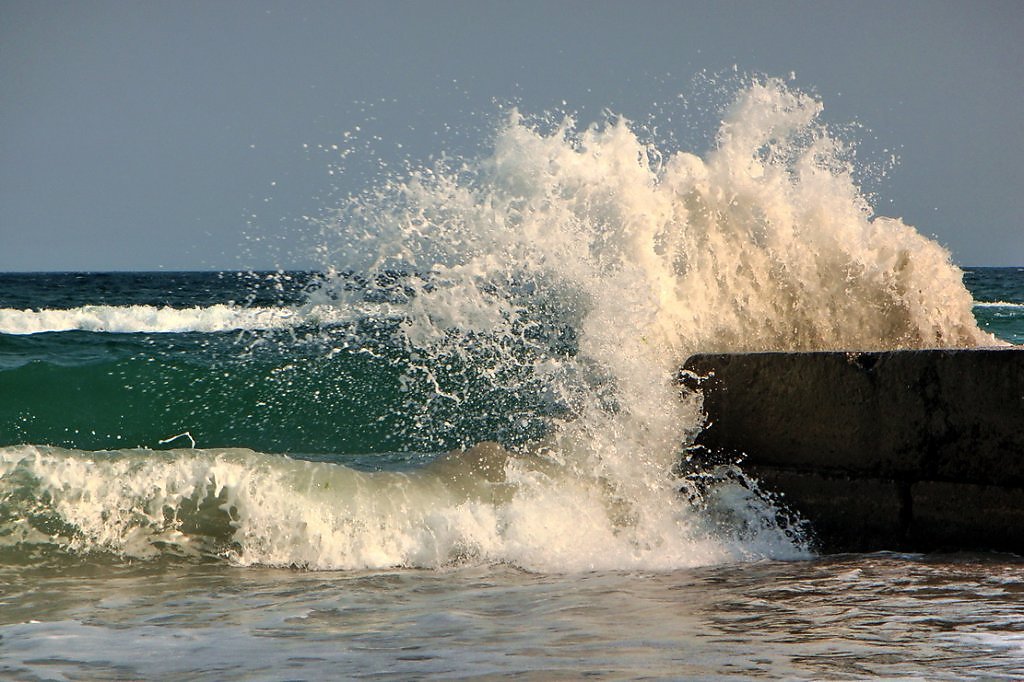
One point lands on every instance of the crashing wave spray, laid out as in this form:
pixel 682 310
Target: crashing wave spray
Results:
pixel 766 243
pixel 564 278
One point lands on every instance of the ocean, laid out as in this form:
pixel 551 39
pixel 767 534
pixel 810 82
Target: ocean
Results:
pixel 452 451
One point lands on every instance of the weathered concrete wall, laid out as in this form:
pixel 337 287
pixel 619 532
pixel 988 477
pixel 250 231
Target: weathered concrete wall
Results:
pixel 902 450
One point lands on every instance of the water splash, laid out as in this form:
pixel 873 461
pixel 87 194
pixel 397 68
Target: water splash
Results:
pixel 566 276
pixel 484 505
pixel 765 243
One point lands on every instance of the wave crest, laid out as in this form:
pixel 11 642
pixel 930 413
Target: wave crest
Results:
pixel 165 319
pixel 481 505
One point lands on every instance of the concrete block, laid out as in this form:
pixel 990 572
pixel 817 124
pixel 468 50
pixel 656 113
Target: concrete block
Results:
pixel 838 432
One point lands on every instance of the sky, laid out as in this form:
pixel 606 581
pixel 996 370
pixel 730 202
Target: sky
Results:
pixel 140 135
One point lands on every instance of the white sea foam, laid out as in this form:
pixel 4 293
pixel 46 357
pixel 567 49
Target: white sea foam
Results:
pixel 647 256
pixel 999 304
pixel 479 506
pixel 765 243
pixel 153 319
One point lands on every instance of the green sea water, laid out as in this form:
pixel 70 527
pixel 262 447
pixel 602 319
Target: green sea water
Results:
pixel 309 389
pixel 454 452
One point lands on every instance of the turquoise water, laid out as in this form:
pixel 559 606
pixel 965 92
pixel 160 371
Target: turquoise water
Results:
pixel 124 596
pixel 314 388
pixel 453 453
pixel 999 301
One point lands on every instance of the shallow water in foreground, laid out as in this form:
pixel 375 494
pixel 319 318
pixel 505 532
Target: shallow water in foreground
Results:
pixel 838 617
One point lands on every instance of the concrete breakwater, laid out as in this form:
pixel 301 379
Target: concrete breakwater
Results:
pixel 895 450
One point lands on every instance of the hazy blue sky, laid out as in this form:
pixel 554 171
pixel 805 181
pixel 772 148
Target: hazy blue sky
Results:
pixel 139 135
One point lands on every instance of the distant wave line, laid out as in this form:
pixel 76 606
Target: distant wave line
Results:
pixel 998 304
pixel 166 319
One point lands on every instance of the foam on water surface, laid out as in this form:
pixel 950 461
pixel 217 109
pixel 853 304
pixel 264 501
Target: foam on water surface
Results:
pixel 578 266
pixel 481 505
pixel 165 319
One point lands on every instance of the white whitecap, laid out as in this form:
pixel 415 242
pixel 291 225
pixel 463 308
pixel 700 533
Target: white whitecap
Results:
pixel 165 319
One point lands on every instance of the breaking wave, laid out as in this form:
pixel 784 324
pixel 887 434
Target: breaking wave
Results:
pixel 137 319
pixel 563 278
